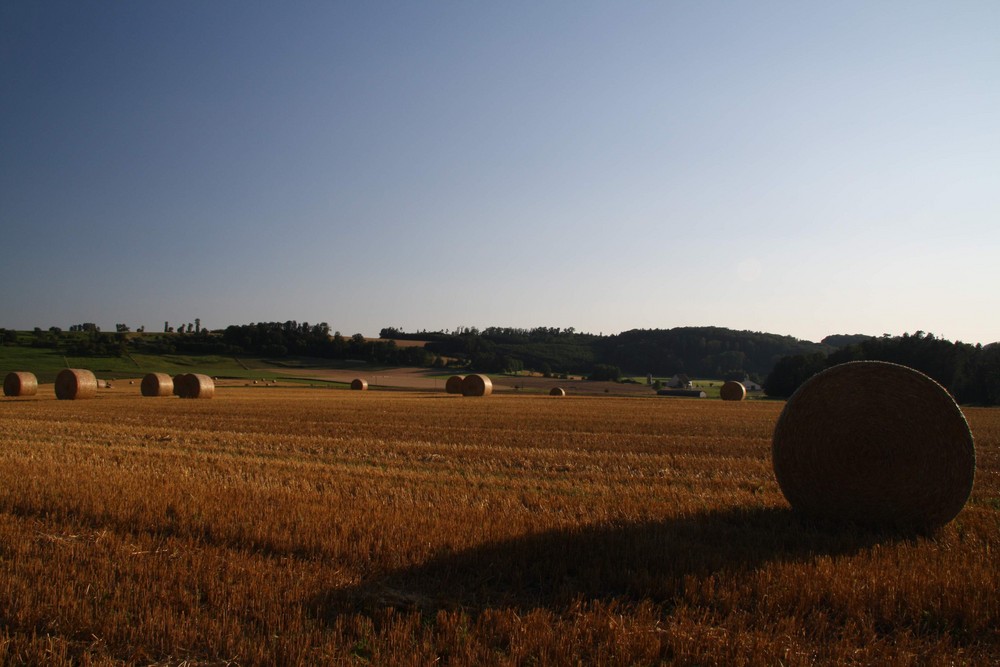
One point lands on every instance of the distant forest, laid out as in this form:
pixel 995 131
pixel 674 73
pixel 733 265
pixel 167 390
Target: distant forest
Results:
pixel 781 363
pixel 971 373
pixel 695 351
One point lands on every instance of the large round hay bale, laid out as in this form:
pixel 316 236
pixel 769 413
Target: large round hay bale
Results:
pixel 454 384
pixel 196 385
pixel 357 384
pixel 178 381
pixel 157 384
pixel 75 383
pixel 20 383
pixel 732 391
pixel 477 385
pixel 876 444
pixel 557 391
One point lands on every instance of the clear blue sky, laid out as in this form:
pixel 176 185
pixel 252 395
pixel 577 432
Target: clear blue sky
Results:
pixel 802 168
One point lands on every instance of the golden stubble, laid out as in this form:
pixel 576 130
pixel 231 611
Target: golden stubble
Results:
pixel 318 526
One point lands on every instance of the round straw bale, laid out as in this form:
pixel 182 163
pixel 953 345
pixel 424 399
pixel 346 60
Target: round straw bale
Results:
pixel 454 384
pixel 157 384
pixel 178 384
pixel 477 385
pixel 732 391
pixel 196 385
pixel 557 391
pixel 20 383
pixel 876 444
pixel 357 384
pixel 74 383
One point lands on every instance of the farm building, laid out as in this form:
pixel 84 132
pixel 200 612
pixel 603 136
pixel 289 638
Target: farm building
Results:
pixel 679 381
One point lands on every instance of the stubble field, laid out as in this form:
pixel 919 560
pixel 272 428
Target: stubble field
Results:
pixel 298 526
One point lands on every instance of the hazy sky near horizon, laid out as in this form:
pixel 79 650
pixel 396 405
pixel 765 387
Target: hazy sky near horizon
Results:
pixel 801 168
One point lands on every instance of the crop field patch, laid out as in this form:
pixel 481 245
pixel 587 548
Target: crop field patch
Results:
pixel 299 526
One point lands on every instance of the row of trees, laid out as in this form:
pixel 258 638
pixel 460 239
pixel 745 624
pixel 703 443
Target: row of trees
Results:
pixel 281 339
pixel 695 351
pixel 704 351
pixel 278 339
pixel 547 350
pixel 268 339
pixel 713 352
pixel 77 342
pixel 971 373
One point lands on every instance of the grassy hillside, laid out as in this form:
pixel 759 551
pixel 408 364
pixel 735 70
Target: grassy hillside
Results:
pixel 46 364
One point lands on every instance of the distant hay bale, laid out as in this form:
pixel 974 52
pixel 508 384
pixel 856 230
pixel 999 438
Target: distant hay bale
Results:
pixel 178 383
pixel 557 391
pixel 454 384
pixel 20 383
pixel 732 391
pixel 196 385
pixel 357 384
pixel 477 385
pixel 876 444
pixel 75 383
pixel 157 384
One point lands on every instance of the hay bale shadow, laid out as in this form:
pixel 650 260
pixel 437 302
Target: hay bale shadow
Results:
pixel 648 560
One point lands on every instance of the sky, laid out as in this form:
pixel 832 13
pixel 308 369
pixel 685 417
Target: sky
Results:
pixel 800 168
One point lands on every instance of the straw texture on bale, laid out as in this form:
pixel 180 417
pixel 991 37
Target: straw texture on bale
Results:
pixel 75 383
pixel 357 384
pixel 477 385
pixel 195 385
pixel 557 391
pixel 157 384
pixel 876 444
pixel 732 391
pixel 454 384
pixel 20 383
pixel 179 384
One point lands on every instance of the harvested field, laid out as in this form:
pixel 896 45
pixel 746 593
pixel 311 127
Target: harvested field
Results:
pixel 423 379
pixel 300 526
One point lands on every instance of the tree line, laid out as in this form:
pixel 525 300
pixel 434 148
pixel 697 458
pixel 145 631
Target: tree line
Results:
pixel 697 351
pixel 266 339
pixel 279 339
pixel 970 373
pixel 548 350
